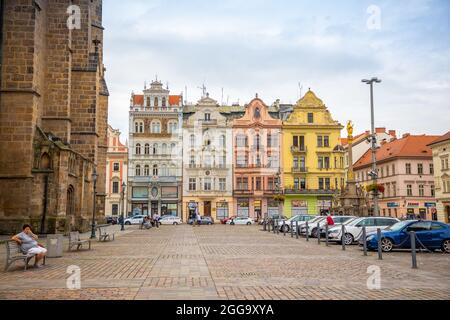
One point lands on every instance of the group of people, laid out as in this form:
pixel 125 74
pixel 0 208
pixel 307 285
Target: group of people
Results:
pixel 149 222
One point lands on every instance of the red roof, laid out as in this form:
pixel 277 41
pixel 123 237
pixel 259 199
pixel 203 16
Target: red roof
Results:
pixel 174 100
pixel 138 100
pixel 409 146
pixel 443 138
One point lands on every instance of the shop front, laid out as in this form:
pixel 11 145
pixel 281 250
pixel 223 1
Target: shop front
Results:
pixel 243 207
pixel 139 201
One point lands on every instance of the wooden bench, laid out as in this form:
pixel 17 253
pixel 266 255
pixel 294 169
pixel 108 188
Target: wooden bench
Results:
pixel 14 253
pixel 74 240
pixel 105 233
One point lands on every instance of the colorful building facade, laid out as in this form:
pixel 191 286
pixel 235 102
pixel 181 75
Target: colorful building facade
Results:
pixel 256 160
pixel 116 174
pixel 313 158
pixel 441 159
pixel 207 161
pixel 406 173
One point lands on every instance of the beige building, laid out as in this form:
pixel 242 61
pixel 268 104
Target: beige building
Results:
pixel 441 159
pixel 116 174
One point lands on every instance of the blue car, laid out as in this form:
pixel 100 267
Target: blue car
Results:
pixel 433 235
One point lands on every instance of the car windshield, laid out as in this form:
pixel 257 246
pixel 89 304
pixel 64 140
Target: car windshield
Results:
pixel 354 222
pixel 316 219
pixel 398 226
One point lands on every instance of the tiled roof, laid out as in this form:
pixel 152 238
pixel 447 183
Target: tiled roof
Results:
pixel 409 146
pixel 138 100
pixel 443 138
pixel 174 100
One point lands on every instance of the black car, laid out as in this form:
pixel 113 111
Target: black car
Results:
pixel 204 220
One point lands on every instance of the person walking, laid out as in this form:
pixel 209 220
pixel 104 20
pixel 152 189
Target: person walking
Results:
pixel 330 221
pixel 199 219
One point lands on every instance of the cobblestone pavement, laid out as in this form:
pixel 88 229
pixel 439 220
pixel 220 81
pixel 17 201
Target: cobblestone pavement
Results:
pixel 225 262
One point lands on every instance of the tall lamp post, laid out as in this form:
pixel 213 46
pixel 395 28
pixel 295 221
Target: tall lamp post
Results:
pixel 122 228
pixel 94 179
pixel 374 173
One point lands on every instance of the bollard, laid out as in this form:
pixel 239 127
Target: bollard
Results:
pixel 307 230
pixel 326 234
pixel 278 228
pixel 413 250
pixel 380 250
pixel 296 229
pixel 343 238
pixel 318 233
pixel 268 226
pixel 284 228
pixel 264 226
pixel 274 226
pixel 292 229
pixel 364 235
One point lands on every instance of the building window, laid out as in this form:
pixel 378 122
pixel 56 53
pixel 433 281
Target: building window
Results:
pixel 148 102
pixel 192 140
pixel 155 170
pixel 172 127
pixel 387 171
pixel 326 141
pixel 115 209
pixel 164 149
pixel 156 127
pixel 192 184
pixel 321 183
pixel 382 172
pixel 139 127
pixel 207 116
pixel 421 190
pixel 327 184
pixel 433 191
pixel 394 189
pixel 147 171
pixel 409 192
pixel 222 184
pixel 242 160
pixel 258 184
pixel 164 102
pixel 138 170
pixel 223 141
pixel 320 141
pixel 241 141
pixel 116 166
pixel 408 168
pixel 156 103
pixel 115 187
pixel 242 183
pixel 420 168
pixel 271 184
pixel 310 117
pixel 147 149
pixel 138 149
pixel 393 169
pixel 431 168
pixel 207 184
pixel 155 149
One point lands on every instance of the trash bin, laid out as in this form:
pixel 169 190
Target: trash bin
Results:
pixel 55 245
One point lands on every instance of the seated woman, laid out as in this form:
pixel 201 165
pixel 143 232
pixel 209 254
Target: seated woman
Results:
pixel 29 245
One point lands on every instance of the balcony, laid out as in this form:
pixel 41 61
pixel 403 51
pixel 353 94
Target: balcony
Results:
pixel 204 122
pixel 299 170
pixel 299 149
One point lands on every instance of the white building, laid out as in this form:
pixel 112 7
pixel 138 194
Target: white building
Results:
pixel 155 156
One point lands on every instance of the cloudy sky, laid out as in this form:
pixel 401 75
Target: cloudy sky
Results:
pixel 270 46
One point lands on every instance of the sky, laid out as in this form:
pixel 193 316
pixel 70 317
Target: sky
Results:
pixel 276 47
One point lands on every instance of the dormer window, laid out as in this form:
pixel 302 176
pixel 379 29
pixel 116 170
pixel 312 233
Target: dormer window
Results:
pixel 257 114
pixel 207 116
pixel 164 102
pixel 148 102
pixel 156 103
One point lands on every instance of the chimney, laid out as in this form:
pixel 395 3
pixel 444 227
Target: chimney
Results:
pixel 393 133
pixel 380 130
pixel 406 135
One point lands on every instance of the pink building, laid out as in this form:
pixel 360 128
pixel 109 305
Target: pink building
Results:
pixel 405 169
pixel 257 160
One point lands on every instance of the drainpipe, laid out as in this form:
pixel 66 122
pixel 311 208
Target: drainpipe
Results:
pixel 2 10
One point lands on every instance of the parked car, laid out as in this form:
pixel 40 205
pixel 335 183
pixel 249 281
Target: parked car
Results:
pixel 338 221
pixel 170 220
pixel 112 220
pixel 276 217
pixel 353 230
pixel 204 220
pixel 300 218
pixel 241 221
pixel 433 235
pixel 225 220
pixel 134 220
pixel 312 224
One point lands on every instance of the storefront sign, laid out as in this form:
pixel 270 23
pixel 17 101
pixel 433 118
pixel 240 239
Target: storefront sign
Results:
pixel 140 192
pixel 393 205
pixel 430 205
pixel 169 192
pixel 413 204
pixel 299 204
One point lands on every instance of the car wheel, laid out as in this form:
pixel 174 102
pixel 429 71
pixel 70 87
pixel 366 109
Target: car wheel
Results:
pixel 285 228
pixel 348 239
pixel 249 223
pixel 232 223
pixel 175 223
pixel 314 233
pixel 386 245
pixel 446 246
pixel 128 223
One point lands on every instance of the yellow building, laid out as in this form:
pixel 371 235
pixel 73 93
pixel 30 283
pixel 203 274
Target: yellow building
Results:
pixel 313 158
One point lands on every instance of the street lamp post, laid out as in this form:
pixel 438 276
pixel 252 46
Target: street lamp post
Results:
pixel 94 179
pixel 122 228
pixel 374 173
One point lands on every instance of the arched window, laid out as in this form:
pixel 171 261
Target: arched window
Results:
pixel 148 102
pixel 164 172
pixel 147 171
pixel 155 170
pixel 192 139
pixel 164 102
pixel 156 127
pixel 155 148
pixel 156 103
pixel 172 127
pixel 173 170
pixel 139 127
pixel 47 164
pixel 138 170
pixel 257 113
pixel 147 149
pixel 164 149
pixel 136 127
pixel 138 149
pixel 173 148
pixel 258 141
